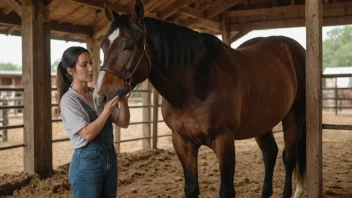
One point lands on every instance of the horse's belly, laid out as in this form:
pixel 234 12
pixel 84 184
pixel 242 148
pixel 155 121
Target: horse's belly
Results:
pixel 264 116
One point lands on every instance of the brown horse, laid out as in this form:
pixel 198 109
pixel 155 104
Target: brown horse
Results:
pixel 212 94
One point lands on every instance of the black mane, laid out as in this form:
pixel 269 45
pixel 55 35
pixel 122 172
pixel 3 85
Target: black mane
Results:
pixel 176 45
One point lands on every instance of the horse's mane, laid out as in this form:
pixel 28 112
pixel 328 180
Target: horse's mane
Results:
pixel 177 45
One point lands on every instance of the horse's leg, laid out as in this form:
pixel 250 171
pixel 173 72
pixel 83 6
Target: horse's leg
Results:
pixel 187 152
pixel 269 149
pixel 224 149
pixel 292 135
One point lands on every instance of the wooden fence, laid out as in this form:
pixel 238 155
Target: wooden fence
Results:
pixel 150 106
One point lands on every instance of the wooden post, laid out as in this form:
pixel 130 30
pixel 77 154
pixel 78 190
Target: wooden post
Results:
pixel 313 14
pixel 225 24
pixel 117 137
pixel 93 46
pixel 146 115
pixel 5 118
pixel 155 118
pixel 336 96
pixel 37 87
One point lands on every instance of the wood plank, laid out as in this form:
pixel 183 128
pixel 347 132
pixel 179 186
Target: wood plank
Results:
pixel 225 27
pixel 54 8
pixel 27 2
pixel 221 6
pixel 100 31
pixel 77 9
pixel 72 29
pixel 36 80
pixel 146 130
pixel 7 10
pixel 13 19
pixel 15 6
pixel 93 46
pixel 208 24
pixel 151 5
pixel 314 15
pixel 330 21
pixel 293 8
pixel 192 12
pixel 11 30
pixel 97 4
pixel 238 36
pixel 173 8
pixel 155 118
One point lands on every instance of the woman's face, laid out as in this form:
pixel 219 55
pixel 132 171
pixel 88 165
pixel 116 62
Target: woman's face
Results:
pixel 83 71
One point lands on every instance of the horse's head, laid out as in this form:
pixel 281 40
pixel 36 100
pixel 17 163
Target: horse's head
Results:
pixel 126 62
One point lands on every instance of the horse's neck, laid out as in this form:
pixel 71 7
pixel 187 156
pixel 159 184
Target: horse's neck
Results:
pixel 170 90
pixel 184 86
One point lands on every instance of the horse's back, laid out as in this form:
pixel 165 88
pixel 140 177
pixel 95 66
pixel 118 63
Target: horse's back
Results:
pixel 274 68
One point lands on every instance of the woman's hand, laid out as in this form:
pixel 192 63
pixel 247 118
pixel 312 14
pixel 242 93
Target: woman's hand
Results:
pixel 110 105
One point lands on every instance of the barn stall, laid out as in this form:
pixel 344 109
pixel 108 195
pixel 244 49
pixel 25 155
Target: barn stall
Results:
pixel 74 20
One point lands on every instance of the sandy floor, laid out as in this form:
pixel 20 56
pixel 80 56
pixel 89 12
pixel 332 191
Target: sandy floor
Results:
pixel 158 173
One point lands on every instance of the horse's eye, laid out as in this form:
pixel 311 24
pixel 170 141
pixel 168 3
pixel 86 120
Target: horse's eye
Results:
pixel 129 47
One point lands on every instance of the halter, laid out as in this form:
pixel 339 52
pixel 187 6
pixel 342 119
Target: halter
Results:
pixel 128 78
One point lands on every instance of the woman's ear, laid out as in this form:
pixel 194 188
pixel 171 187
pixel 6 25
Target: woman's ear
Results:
pixel 70 71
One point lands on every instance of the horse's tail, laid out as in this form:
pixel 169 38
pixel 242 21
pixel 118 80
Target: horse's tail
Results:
pixel 301 156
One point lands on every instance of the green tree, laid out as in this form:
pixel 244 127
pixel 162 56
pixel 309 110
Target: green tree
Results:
pixel 9 66
pixel 337 48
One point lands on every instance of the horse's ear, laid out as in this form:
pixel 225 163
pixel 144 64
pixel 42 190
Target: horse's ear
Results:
pixel 110 13
pixel 138 11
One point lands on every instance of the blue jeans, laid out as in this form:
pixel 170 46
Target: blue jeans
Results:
pixel 93 173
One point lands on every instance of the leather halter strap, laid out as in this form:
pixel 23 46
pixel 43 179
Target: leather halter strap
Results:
pixel 127 79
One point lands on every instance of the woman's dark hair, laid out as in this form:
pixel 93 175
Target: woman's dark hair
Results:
pixel 68 60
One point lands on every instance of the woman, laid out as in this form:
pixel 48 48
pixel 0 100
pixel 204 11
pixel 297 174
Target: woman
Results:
pixel 93 169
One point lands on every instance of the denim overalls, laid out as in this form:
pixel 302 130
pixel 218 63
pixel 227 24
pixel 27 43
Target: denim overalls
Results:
pixel 93 168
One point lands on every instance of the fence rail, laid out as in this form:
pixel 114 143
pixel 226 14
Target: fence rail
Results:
pixel 155 105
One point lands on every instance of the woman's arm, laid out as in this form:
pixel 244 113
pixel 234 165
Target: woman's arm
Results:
pixel 122 118
pixel 93 129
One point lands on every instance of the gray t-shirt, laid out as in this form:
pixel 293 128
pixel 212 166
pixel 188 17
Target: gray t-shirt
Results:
pixel 75 117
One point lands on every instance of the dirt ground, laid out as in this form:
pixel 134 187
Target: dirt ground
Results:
pixel 158 173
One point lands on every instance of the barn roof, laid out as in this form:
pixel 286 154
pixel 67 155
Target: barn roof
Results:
pixel 75 20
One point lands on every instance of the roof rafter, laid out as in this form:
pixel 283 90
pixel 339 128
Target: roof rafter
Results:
pixel 15 6
pixel 173 8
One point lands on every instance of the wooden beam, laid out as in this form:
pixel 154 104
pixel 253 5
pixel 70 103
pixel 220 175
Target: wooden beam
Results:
pixel 225 27
pixel 11 30
pixel 14 19
pixel 238 36
pixel 213 26
pixel 27 2
pixel 88 12
pixel 173 8
pixel 314 16
pixel 121 9
pixel 150 6
pixel 72 12
pixel 192 12
pixel 93 46
pixel 15 6
pixel 328 21
pixel 292 8
pixel 146 130
pixel 36 80
pixel 7 10
pixel 57 6
pixel 221 6
pixel 99 31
